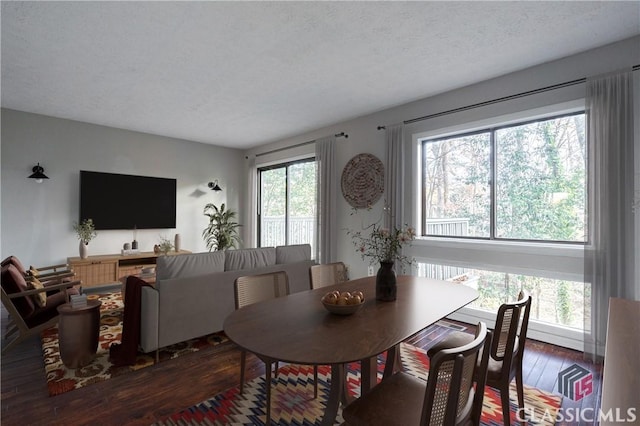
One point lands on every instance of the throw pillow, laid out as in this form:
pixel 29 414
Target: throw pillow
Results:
pixel 33 271
pixel 39 298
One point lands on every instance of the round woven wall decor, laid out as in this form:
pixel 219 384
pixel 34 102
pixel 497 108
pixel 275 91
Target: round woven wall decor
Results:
pixel 363 180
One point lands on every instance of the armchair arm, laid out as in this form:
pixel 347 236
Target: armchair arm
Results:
pixel 44 289
pixel 47 279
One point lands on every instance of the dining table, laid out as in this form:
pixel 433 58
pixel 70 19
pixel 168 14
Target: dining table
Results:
pixel 298 329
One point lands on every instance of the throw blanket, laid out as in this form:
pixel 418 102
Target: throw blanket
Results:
pixel 126 352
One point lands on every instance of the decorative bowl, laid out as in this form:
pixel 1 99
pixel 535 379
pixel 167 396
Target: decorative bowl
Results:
pixel 342 309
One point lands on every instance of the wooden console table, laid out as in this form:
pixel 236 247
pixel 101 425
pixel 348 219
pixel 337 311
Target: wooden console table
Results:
pixel 107 269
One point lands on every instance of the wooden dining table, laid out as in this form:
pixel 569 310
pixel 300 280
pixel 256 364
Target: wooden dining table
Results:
pixel 298 329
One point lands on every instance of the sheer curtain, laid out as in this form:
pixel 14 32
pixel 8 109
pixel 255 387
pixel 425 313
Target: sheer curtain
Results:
pixel 326 193
pixel 251 229
pixel 610 253
pixel 394 176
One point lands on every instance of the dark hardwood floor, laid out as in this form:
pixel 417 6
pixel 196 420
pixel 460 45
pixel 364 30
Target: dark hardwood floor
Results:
pixel 153 393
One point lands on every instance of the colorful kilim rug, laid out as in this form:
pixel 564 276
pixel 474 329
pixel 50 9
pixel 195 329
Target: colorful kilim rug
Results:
pixel 61 379
pixel 292 401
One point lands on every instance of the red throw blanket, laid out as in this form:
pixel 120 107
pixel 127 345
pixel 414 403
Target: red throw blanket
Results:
pixel 126 352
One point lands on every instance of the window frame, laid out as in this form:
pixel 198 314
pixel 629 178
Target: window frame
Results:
pixel 279 165
pixel 493 158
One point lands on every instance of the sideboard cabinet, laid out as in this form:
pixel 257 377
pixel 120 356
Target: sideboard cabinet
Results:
pixel 107 269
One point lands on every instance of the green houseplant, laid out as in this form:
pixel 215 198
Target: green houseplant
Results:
pixel 222 232
pixel 86 232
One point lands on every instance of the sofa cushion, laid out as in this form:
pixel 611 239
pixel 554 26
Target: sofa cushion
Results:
pixel 293 253
pixel 189 265
pixel 249 258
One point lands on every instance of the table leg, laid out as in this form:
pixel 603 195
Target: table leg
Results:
pixel 335 394
pixel 368 374
pixel 393 364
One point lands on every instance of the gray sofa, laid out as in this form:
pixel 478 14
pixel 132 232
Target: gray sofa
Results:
pixel 194 293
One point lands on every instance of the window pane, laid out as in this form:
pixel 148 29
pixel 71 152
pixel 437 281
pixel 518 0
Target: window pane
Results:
pixel 302 203
pixel 456 190
pixel 558 302
pixel 273 198
pixel 540 191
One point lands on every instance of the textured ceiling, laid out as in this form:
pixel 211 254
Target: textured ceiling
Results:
pixel 241 74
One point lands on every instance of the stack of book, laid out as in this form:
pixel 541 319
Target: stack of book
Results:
pixel 78 300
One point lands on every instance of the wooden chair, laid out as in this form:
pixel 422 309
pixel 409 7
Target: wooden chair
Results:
pixel 327 274
pixel 43 273
pixel 447 398
pixel 30 308
pixel 507 350
pixel 259 288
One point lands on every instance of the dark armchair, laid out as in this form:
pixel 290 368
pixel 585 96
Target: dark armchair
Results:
pixel 31 305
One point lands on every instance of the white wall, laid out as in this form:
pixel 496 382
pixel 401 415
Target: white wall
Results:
pixel 364 136
pixel 37 218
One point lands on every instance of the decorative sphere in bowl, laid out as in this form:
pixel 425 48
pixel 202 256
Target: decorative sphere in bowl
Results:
pixel 343 303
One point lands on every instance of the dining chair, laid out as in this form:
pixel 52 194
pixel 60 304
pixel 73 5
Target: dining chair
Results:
pixel 259 288
pixel 507 351
pixel 327 274
pixel 448 397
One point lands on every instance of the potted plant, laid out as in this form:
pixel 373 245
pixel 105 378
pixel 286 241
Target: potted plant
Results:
pixel 384 246
pixel 222 232
pixel 86 232
pixel 165 246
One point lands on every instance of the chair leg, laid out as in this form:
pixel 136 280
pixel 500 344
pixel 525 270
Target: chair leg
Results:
pixel 243 360
pixel 268 391
pixel 315 382
pixel 520 387
pixel 277 365
pixel 506 407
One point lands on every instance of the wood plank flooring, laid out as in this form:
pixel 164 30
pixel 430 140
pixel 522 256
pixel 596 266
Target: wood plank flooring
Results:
pixel 153 393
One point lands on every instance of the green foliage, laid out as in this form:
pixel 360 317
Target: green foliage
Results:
pixel 222 231
pixel 165 245
pixel 382 245
pixel 86 230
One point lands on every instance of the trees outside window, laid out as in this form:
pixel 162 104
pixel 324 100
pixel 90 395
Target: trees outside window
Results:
pixel 287 204
pixel 524 181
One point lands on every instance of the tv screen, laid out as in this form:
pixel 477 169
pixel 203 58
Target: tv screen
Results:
pixel 116 201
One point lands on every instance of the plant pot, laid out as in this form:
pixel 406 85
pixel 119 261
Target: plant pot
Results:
pixel 83 250
pixel 386 288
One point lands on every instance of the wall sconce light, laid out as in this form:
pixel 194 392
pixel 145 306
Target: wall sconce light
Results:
pixel 38 173
pixel 214 186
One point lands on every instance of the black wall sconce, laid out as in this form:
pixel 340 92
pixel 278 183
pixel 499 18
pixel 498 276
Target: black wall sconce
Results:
pixel 38 173
pixel 214 186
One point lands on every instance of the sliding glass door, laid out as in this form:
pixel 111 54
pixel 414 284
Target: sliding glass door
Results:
pixel 287 204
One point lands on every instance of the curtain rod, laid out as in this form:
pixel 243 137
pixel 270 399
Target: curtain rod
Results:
pixel 337 135
pixel 502 99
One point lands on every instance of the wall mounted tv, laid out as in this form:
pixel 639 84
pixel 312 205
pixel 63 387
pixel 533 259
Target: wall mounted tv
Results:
pixel 116 201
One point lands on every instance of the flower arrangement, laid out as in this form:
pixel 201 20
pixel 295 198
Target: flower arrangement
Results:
pixel 382 244
pixel 86 230
pixel 165 245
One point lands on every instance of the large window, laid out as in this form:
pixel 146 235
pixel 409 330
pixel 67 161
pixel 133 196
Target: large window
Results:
pixel 287 204
pixel 525 181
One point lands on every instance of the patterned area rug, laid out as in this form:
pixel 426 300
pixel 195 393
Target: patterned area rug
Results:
pixel 292 400
pixel 61 379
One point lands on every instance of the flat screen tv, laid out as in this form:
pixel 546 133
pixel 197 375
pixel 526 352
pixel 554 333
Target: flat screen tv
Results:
pixel 117 201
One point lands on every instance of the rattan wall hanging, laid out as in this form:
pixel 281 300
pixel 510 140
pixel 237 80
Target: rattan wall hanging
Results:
pixel 363 180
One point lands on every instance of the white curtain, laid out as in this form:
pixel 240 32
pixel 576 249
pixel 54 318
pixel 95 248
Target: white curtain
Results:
pixel 326 193
pixel 251 228
pixel 394 176
pixel 610 253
